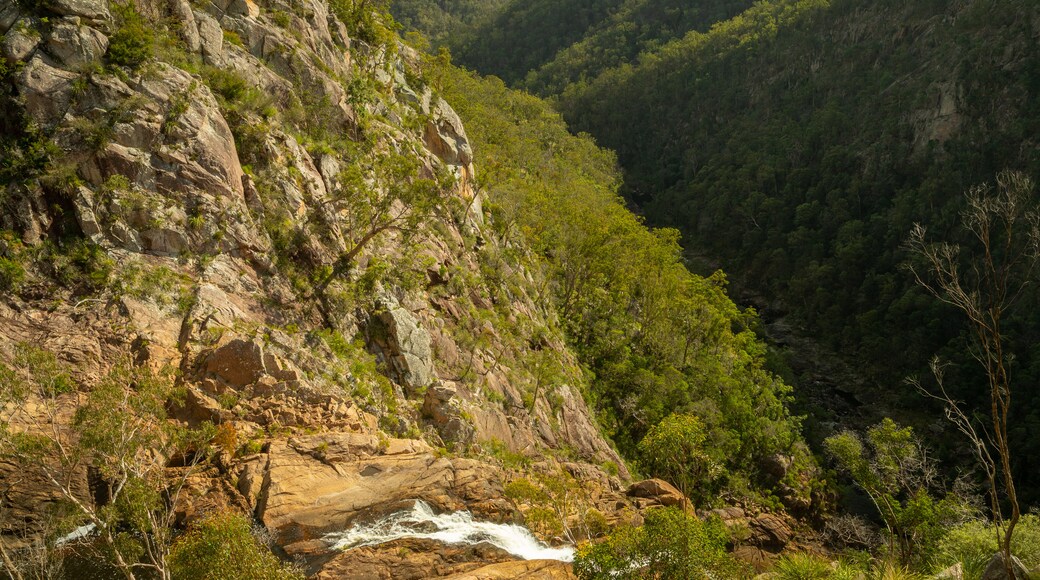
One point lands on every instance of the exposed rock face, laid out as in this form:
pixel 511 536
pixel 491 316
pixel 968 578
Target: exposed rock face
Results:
pixel 547 569
pixel 88 9
pixel 409 559
pixel 216 193
pixel 320 484
pixel 769 534
pixel 995 569
pixel 241 363
pixel 442 407
pixel 656 491
pixel 407 346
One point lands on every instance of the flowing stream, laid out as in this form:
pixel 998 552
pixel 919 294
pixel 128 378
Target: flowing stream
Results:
pixel 455 528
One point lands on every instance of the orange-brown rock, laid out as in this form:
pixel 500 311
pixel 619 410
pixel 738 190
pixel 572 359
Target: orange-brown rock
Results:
pixel 657 491
pixel 319 484
pixel 410 559
pixel 524 569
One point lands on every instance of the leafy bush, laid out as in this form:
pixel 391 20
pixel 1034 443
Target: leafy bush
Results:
pixel 81 266
pixel 11 274
pixel 674 449
pixel 802 566
pixel 223 547
pixel 50 375
pixel 24 149
pixel 893 468
pixel 134 42
pixel 889 571
pixel 226 84
pixel 670 544
pixel 367 20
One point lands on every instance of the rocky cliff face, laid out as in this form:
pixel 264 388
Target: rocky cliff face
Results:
pixel 289 217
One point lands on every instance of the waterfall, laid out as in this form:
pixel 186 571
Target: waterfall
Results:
pixel 455 528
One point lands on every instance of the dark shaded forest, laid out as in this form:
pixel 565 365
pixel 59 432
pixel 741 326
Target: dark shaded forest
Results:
pixel 797 143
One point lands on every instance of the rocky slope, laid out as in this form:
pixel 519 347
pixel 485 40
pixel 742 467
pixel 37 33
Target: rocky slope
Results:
pixel 287 215
pixel 204 257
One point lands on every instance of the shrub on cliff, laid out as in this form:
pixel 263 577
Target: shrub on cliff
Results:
pixel 132 44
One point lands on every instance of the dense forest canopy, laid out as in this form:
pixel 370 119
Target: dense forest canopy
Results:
pixel 796 144
pixel 633 312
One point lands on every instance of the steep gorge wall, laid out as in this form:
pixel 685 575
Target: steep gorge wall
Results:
pixel 215 191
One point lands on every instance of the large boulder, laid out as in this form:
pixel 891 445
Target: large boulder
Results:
pixel 237 363
pixel 10 12
pixel 996 570
pixel 46 90
pixel 955 572
pixel 18 44
pixel 769 532
pixel 407 346
pixel 75 45
pixel 323 483
pixel 657 491
pixel 443 408
pixel 240 363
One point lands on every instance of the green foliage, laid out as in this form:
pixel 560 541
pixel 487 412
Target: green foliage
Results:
pixel 805 179
pixel 281 18
pixel 546 45
pixel 12 262
pixel 158 284
pixel 363 370
pixel 12 273
pixel 133 42
pixel 805 566
pixel 674 450
pixel 511 459
pixel 222 546
pixel 523 35
pixel 79 265
pixel 25 150
pixel 445 21
pixel 367 20
pixel 118 429
pixel 555 504
pixel 894 470
pixel 798 142
pixel 43 369
pixel 232 37
pixel 230 86
pixel 381 192
pixel 670 544
pixel 654 338
pixel 179 104
pixel 802 566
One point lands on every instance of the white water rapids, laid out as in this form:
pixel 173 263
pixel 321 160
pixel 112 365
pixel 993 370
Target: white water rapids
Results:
pixel 454 528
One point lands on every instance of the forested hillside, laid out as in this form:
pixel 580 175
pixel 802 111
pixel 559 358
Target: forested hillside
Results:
pixel 270 279
pixel 797 143
pixel 524 35
pixel 633 312
pixel 637 27
pixel 546 45
pixel 444 21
